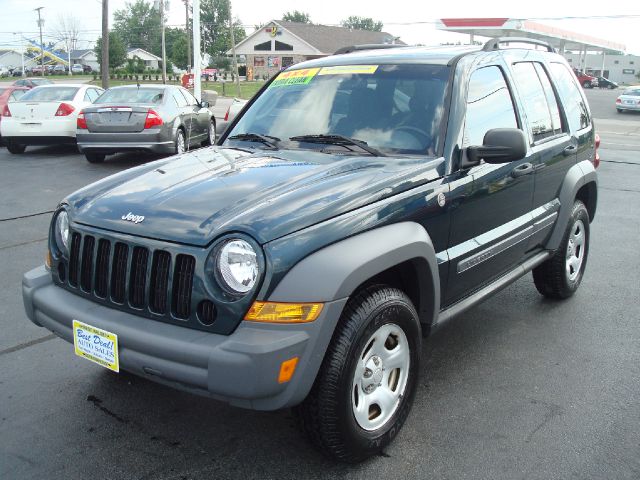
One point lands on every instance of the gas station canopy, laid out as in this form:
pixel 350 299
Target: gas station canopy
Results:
pixel 561 39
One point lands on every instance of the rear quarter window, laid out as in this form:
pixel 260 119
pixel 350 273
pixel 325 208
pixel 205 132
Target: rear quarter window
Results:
pixel 575 105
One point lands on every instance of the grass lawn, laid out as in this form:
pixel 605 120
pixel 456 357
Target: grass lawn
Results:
pixel 227 89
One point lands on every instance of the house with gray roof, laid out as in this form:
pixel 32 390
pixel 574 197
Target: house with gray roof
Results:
pixel 279 44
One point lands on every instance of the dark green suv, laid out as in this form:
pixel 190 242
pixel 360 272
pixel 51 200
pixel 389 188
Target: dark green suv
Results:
pixel 356 204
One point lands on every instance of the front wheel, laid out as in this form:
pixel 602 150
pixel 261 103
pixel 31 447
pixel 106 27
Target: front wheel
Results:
pixel 16 148
pixel 559 277
pixel 586 84
pixel 368 378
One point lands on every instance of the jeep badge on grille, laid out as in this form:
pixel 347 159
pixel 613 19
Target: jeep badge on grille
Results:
pixel 130 217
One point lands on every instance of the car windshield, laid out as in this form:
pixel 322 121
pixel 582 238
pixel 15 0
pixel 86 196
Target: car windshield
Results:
pixel 633 92
pixel 395 109
pixel 41 81
pixel 50 94
pixel 132 95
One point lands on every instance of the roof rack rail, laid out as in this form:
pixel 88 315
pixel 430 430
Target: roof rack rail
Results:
pixel 370 46
pixel 494 43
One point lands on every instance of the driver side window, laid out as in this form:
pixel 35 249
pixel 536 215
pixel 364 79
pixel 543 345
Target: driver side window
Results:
pixel 489 105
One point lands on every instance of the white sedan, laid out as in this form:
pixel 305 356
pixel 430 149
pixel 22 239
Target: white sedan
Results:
pixel 45 115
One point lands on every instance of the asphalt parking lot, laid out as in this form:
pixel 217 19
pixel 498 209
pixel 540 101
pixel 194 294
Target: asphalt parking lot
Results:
pixel 517 388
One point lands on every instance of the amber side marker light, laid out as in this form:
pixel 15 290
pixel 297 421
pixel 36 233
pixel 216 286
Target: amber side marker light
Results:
pixel 47 260
pixel 283 312
pixel 287 369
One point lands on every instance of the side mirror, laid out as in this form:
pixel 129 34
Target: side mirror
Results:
pixel 500 145
pixel 204 104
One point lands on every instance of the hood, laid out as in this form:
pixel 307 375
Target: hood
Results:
pixel 195 197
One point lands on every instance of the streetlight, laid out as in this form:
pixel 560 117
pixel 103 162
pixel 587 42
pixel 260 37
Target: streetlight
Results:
pixel 40 24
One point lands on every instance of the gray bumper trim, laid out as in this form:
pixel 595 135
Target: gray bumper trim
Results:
pixel 241 368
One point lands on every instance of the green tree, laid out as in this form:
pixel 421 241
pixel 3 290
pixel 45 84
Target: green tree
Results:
pixel 117 51
pixel 296 16
pixel 176 40
pixel 216 37
pixel 138 24
pixel 362 23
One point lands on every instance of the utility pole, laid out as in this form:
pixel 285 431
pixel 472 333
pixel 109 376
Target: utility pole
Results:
pixel 186 25
pixel 104 64
pixel 164 48
pixel 233 51
pixel 69 54
pixel 40 24
pixel 197 86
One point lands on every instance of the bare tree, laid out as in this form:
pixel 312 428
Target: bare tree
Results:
pixel 66 30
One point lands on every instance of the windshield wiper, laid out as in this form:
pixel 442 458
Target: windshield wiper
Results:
pixel 338 140
pixel 271 142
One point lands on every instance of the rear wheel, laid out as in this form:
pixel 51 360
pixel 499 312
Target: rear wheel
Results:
pixel 180 143
pixel 16 148
pixel 211 135
pixel 368 378
pixel 559 277
pixel 95 157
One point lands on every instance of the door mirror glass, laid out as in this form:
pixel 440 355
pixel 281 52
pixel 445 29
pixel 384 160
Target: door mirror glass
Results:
pixel 500 145
pixel 204 104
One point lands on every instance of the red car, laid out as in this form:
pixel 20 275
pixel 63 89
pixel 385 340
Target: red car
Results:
pixel 10 94
pixel 587 81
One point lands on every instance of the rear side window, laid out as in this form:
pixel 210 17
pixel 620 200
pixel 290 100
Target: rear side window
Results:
pixel 91 95
pixel 489 105
pixel 538 100
pixel 179 99
pixel 575 105
pixel 50 94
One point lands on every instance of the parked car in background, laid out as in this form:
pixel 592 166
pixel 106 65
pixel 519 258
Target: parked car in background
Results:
pixel 87 68
pixel 4 71
pixel 38 69
pixel 587 81
pixel 32 82
pixel 149 118
pixel 17 72
pixel 232 111
pixel 45 115
pixel 49 69
pixel 60 69
pixel 629 100
pixel 606 83
pixel 77 68
pixel 9 94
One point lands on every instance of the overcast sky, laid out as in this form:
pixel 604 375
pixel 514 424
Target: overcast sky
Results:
pixel 18 16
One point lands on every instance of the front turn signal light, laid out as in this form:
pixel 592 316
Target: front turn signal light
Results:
pixel 283 312
pixel 48 261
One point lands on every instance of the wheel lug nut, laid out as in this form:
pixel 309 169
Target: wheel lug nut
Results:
pixel 367 373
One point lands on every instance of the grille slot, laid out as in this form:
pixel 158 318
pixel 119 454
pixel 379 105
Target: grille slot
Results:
pixel 119 272
pixel 182 284
pixel 74 257
pixel 86 268
pixel 159 281
pixel 102 268
pixel 138 276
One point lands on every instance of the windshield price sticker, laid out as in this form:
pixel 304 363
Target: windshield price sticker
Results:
pixel 295 77
pixel 349 70
pixel 96 345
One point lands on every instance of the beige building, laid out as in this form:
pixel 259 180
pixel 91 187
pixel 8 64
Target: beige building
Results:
pixel 279 44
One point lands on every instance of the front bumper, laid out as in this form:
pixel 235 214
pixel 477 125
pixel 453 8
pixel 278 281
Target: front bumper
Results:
pixel 154 141
pixel 241 368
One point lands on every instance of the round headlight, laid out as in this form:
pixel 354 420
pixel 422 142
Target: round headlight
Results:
pixel 238 266
pixel 62 232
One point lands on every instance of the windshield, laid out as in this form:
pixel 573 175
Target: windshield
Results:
pixel 132 94
pixel 393 108
pixel 41 81
pixel 634 92
pixel 50 94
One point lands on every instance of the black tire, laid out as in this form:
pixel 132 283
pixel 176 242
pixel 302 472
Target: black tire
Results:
pixel 209 140
pixel 16 148
pixel 620 110
pixel 586 84
pixel 553 279
pixel 327 414
pixel 94 157
pixel 176 143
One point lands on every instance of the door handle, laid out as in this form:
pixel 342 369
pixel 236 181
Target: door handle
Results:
pixel 521 170
pixel 570 150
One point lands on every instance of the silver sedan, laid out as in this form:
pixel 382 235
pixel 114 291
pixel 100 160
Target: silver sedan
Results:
pixel 151 118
